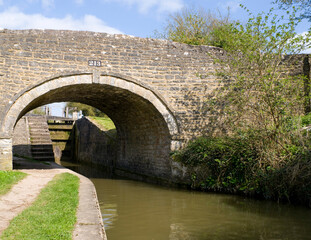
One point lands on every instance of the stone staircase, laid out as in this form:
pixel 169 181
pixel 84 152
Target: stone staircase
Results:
pixel 41 143
pixel 61 135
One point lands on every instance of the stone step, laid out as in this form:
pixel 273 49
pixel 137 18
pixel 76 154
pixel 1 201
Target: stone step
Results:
pixel 44 139
pixel 40 138
pixel 38 149
pixel 41 142
pixel 38 134
pixel 38 128
pixel 43 154
pixel 36 125
pixel 40 146
pixel 38 122
pixel 44 158
pixel 43 151
pixel 35 137
pixel 35 129
pixel 60 127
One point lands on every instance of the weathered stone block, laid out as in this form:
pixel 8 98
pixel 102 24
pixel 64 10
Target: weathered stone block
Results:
pixel 6 154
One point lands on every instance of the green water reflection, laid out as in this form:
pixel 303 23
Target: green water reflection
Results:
pixel 137 211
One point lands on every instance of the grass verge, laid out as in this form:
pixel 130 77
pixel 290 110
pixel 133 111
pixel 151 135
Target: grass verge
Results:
pixel 105 122
pixel 8 179
pixel 52 215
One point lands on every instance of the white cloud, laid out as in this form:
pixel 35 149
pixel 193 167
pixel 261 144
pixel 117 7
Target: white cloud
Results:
pixel 144 6
pixel 13 18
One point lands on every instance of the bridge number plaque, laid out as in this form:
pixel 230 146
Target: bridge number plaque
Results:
pixel 95 63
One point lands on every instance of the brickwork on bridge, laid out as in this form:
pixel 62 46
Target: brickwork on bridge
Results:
pixel 144 85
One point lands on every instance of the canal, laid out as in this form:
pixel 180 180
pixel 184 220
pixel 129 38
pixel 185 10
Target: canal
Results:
pixel 135 210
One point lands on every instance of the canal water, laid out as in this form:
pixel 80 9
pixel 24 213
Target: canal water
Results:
pixel 134 210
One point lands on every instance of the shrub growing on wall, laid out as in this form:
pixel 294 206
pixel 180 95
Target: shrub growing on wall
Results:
pixel 263 150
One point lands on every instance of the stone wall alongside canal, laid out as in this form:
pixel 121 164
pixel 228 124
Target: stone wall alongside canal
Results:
pixel 93 145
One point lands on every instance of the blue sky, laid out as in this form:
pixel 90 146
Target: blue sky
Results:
pixel 133 17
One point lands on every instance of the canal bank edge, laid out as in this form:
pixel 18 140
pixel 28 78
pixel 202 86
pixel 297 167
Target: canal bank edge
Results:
pixel 89 220
pixel 89 223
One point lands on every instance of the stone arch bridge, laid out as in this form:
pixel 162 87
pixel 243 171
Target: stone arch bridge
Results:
pixel 143 85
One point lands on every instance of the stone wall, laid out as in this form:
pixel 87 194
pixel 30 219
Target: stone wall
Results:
pixel 21 138
pixel 140 83
pixel 97 148
pixel 28 57
pixel 93 145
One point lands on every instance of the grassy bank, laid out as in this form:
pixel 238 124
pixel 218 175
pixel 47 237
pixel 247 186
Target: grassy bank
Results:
pixel 249 164
pixel 52 215
pixel 107 126
pixel 8 179
pixel 105 122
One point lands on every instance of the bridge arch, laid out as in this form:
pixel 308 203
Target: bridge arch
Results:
pixel 145 123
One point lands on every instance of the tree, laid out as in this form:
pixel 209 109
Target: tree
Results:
pixel 39 111
pixel 193 26
pixel 260 105
pixel 257 93
pixel 86 109
pixel 303 5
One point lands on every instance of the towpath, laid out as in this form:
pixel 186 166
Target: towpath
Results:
pixel 89 222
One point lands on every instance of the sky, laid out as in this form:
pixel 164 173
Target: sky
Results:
pixel 132 17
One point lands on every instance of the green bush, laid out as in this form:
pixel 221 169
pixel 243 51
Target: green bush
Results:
pixel 237 164
pixel 289 183
pixel 306 120
pixel 228 160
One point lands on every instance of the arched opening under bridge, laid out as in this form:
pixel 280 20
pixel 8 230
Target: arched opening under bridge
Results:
pixel 145 124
